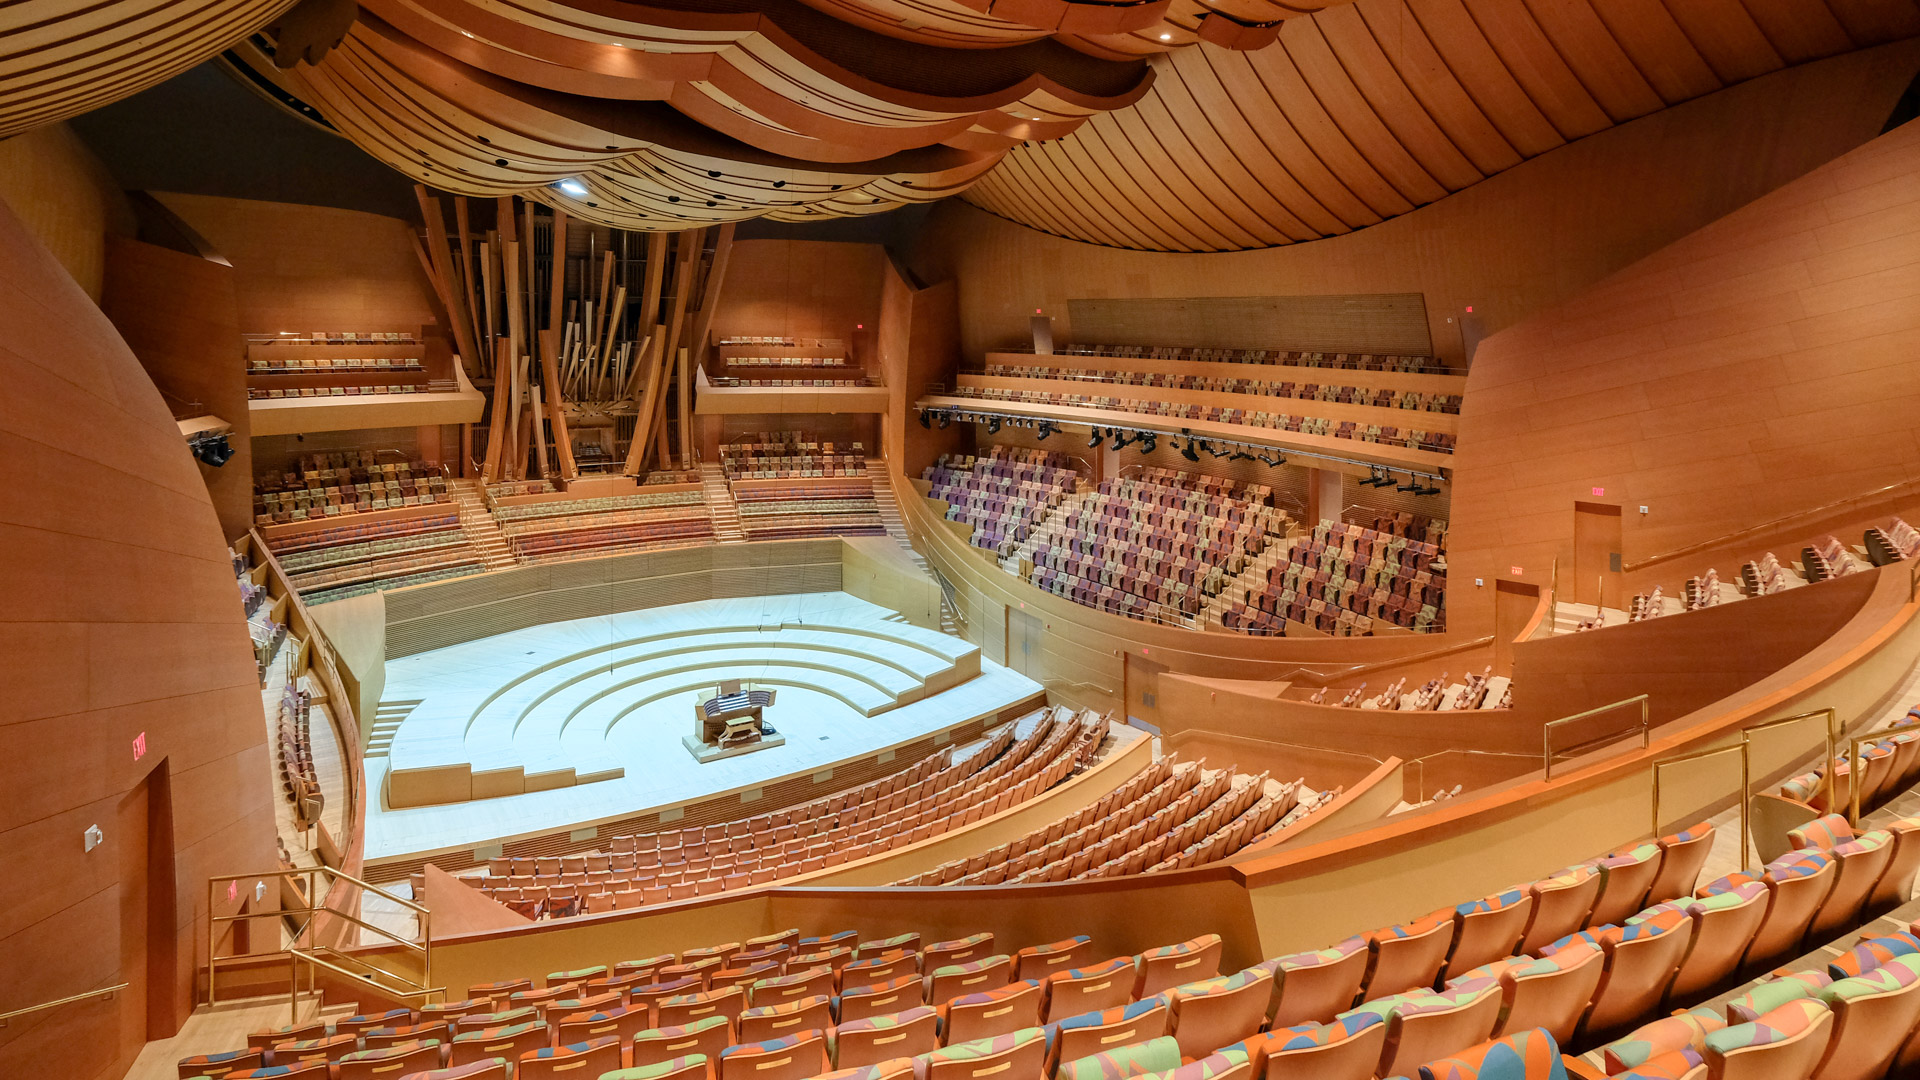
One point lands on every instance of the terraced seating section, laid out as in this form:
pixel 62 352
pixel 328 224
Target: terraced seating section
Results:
pixel 784 455
pixel 335 562
pixel 645 520
pixel 1305 390
pixel 786 509
pixel 1344 579
pixel 1291 357
pixel 1002 495
pixel 331 485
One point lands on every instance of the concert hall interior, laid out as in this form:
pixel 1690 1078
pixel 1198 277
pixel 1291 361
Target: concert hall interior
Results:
pixel 960 539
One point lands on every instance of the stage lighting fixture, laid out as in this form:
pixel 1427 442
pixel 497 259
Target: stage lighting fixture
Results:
pixel 1412 484
pixel 573 187
pixel 215 451
pixel 1043 431
pixel 1211 449
pixel 1149 443
pixel 926 421
pixel 1187 451
pixel 945 419
pixel 1093 439
pixel 993 425
pixel 1272 462
pixel 1239 455
pixel 1120 440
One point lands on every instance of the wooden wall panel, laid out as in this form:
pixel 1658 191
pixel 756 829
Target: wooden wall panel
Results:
pixel 1759 367
pixel 66 199
pixel 178 314
pixel 1509 246
pixel 118 616
pixel 1391 325
pixel 800 288
pixel 307 268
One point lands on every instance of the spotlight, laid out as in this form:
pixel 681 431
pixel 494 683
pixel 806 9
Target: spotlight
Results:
pixel 573 187
pixel 1209 448
pixel 1272 462
pixel 1094 438
pixel 1045 429
pixel 1120 439
pixel 993 425
pixel 215 451
pixel 926 420
pixel 1412 484
pixel 1149 443
pixel 945 419
pixel 1240 455
pixel 1187 451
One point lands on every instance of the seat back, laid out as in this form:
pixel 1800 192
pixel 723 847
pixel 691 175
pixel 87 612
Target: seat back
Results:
pixel 900 943
pixel 1896 881
pixel 961 950
pixel 1561 904
pixel 1015 1054
pixel 1799 883
pixel 706 1037
pixel 1219 1012
pixel 571 1061
pixel 1524 1055
pixel 502 1042
pixel 1641 962
pixel 691 1067
pixel 1083 1036
pixel 885 1038
pixel 880 999
pixel 1316 985
pixel 218 1065
pixel 1408 956
pixel 791 1057
pixel 1169 966
pixel 1723 925
pixel 1349 1048
pixel 879 969
pixel 793 986
pixel 1551 993
pixel 1625 878
pixel 1787 1042
pixel 620 1023
pixel 1110 983
pixel 1873 1017
pixel 381 1038
pixel 946 983
pixel 1862 860
pixel 1040 961
pixel 483 1069
pixel 1487 930
pixel 1683 854
pixel 1431 1026
pixel 996 1012
pixel 776 1021
pixel 1133 1059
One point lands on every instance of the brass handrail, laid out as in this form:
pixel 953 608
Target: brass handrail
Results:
pixel 1745 749
pixel 1833 739
pixel 1774 523
pixel 294 956
pixel 1546 730
pixel 103 992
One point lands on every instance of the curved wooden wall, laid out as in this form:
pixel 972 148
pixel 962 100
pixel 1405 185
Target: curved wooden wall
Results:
pixel 1510 246
pixel 119 618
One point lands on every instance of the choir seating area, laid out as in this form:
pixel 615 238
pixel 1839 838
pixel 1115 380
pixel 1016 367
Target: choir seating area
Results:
pixel 1290 357
pixel 786 455
pixel 1003 494
pixel 338 484
pixel 545 528
pixel 782 510
pixel 1352 579
pixel 328 562
pixel 944 792
pixel 1305 391
pixel 1154 545
pixel 1171 815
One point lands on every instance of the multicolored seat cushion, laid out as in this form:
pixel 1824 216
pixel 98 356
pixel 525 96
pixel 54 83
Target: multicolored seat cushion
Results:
pixel 1496 902
pixel 1318 957
pixel 886 1070
pixel 1895 973
pixel 1219 984
pixel 1674 1065
pixel 1820 833
pixel 981 1048
pixel 1871 953
pixel 881 1023
pixel 1775 1025
pixel 1154 1055
pixel 1119 1014
pixel 1308 1036
pixel 1730 897
pixel 1203 942
pixel 1688 834
pixel 1681 1031
pixel 1774 993
pixel 571 1049
pixel 1422 925
pixel 1216 1064
pixel 658 1069
pixel 1524 1055
pixel 998 993
pixel 1632 856
pixel 771 1046
pixel 1872 840
pixel 1098 971
pixel 578 975
pixel 1801 788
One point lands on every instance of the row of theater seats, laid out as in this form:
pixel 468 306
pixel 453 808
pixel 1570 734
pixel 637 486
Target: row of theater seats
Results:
pixel 750 381
pixel 1306 391
pixel 1003 774
pixel 1294 357
pixel 294 737
pixel 349 559
pixel 1003 494
pixel 1170 815
pixel 574 528
pixel 786 362
pixel 1580 955
pixel 1158 543
pixel 1439 442
pixel 840 508
pixel 785 455
pixel 330 485
pixel 293 365
pixel 255 393
pixel 1343 579
pixel 1890 764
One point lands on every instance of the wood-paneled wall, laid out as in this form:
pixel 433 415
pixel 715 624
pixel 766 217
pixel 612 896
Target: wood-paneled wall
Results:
pixel 307 268
pixel 119 619
pixel 1509 246
pixel 1759 367
pixel 66 199
pixel 800 288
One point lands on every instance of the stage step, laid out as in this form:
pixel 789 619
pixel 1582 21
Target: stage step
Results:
pixel 387 718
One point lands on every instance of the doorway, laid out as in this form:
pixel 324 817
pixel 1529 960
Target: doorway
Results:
pixel 1596 554
pixel 1024 636
pixel 144 843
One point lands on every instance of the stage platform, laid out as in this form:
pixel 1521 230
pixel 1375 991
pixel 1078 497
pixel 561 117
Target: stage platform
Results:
pixel 581 722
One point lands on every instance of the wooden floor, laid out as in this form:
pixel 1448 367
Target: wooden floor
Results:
pixel 214 1029
pixel 575 694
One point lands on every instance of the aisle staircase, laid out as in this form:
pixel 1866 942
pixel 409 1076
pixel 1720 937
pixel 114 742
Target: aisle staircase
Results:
pixel 387 717
pixel 889 509
pixel 477 522
pixel 724 512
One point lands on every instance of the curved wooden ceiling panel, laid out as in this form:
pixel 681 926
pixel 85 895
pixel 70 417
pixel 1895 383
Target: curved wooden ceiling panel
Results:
pixel 1367 110
pixel 60 58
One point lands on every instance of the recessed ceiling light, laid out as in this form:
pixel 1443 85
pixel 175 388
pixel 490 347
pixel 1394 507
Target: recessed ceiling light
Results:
pixel 1166 37
pixel 572 187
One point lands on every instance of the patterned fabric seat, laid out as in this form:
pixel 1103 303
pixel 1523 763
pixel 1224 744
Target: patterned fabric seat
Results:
pixel 1230 1064
pixel 620 1023
pixel 906 943
pixel 898 995
pixel 879 969
pixel 391 1062
pixel 1089 989
pixel 703 1038
pixel 1409 956
pixel 1683 854
pixel 1799 882
pixel 1423 1025
pixel 1681 1031
pixel 219 1065
pixel 1861 862
pixel 958 951
pixel 1820 834
pixel 1723 924
pixel 1873 1016
pixel 1524 1055
pixel 1019 1053
pixel 774 1021
pixel 1350 1048
pixel 1626 876
pixel 502 1042
pixel 796 986
pixel 1092 1033
pixel 1219 1012
pixel 483 1069
pixel 690 1067
pixel 1122 1062
pixel 884 1038
pixel 332 1048
pixel 690 1008
pixel 1040 961
pixel 380 1038
pixel 1316 985
pixel 1561 904
pixel 996 1012
pixel 355 1025
pixel 1640 963
pixel 896 1069
pixel 1551 993
pixel 1785 1042
pixel 975 976
pixel 1189 961
pixel 1488 929
pixel 588 1059
pixel 791 1057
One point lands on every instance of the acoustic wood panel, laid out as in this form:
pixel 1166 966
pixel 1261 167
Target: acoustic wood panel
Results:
pixel 1508 247
pixel 1366 110
pixel 65 197
pixel 119 619
pixel 1759 367
pixel 1393 324
pixel 801 289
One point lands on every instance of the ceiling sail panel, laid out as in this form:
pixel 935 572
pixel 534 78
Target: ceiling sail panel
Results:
pixel 60 58
pixel 1365 111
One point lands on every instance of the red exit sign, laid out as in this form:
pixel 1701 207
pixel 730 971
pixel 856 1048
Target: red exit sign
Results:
pixel 139 746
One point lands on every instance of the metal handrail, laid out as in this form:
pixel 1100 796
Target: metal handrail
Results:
pixel 1833 739
pixel 1745 749
pixel 102 993
pixel 1746 829
pixel 1646 730
pixel 1773 523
